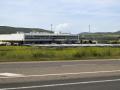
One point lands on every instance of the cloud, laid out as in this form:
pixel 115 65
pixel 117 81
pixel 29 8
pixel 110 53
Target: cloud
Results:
pixel 63 27
pixel 100 8
pixel 91 1
pixel 75 15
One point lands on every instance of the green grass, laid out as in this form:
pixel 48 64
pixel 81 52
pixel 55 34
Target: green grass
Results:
pixel 24 53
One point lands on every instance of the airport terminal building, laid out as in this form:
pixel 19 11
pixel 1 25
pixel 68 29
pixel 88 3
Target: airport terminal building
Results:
pixel 39 38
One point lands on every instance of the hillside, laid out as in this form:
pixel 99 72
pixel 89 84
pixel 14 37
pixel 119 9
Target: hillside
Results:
pixel 101 34
pixel 8 30
pixel 102 37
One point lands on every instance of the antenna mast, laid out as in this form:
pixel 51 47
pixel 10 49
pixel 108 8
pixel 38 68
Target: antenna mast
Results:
pixel 51 27
pixel 89 28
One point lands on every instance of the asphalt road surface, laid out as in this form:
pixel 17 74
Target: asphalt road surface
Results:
pixel 66 75
pixel 99 83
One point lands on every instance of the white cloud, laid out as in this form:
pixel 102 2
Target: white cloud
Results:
pixel 75 14
pixel 91 1
pixel 105 1
pixel 90 4
pixel 63 27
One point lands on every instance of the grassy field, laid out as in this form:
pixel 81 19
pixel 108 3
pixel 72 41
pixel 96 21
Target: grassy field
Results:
pixel 24 53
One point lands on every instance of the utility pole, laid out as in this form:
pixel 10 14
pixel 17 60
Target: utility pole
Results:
pixel 51 27
pixel 78 38
pixel 89 28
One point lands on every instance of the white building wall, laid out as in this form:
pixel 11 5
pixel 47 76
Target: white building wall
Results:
pixel 12 37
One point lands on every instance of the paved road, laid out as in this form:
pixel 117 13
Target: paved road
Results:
pixel 56 63
pixel 73 75
pixel 99 83
pixel 38 68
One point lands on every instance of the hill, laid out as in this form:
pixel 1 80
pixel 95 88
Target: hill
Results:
pixel 8 30
pixel 102 37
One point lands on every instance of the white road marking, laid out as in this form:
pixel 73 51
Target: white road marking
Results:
pixel 79 73
pixel 62 84
pixel 12 75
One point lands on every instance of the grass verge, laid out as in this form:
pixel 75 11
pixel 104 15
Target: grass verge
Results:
pixel 24 53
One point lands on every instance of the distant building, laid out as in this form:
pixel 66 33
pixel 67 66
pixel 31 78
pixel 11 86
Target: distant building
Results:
pixel 39 38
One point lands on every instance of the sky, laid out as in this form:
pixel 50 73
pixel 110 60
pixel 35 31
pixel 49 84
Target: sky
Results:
pixel 69 16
